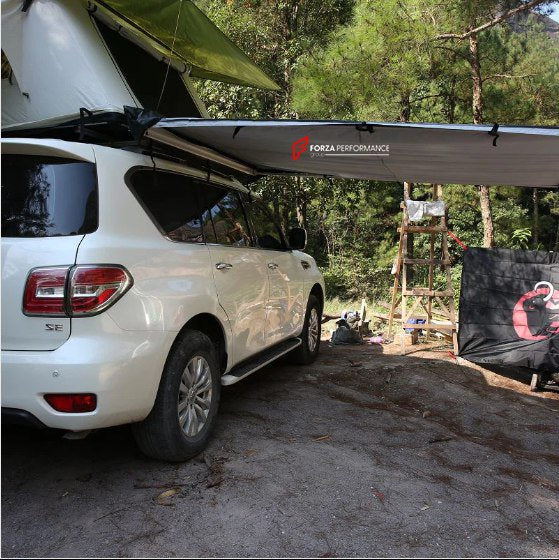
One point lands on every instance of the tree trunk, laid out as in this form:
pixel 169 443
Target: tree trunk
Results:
pixel 405 113
pixel 477 110
pixel 285 206
pixel 407 189
pixel 536 233
pixel 301 205
pixel 486 217
pixel 276 205
pixel 302 213
pixel 477 82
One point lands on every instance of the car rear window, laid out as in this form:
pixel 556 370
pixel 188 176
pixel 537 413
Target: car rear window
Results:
pixel 172 201
pixel 187 209
pixel 48 196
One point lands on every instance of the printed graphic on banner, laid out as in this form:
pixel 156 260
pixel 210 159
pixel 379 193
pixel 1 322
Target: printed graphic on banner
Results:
pixel 299 147
pixel 509 308
pixel 536 313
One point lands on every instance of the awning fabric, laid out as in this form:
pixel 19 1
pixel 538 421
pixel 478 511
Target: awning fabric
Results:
pixel 198 42
pixel 428 153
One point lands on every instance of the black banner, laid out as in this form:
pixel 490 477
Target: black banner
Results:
pixel 509 308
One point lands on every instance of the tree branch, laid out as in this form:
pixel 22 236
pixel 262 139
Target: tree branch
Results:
pixel 426 97
pixel 453 51
pixel 508 76
pixel 508 14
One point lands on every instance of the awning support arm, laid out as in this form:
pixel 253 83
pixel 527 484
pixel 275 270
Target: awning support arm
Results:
pixel 169 139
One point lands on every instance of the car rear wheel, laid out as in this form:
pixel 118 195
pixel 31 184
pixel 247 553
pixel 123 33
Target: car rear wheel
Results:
pixel 180 423
pixel 307 352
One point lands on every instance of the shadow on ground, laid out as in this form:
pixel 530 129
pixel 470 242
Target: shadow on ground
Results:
pixel 365 453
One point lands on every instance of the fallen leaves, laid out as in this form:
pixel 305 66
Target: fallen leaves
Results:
pixel 215 470
pixel 378 494
pixel 163 498
pixel 250 452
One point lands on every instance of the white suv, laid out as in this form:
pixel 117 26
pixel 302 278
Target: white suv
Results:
pixel 134 287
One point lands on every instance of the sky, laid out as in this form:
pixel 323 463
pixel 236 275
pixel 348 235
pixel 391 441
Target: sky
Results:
pixel 555 14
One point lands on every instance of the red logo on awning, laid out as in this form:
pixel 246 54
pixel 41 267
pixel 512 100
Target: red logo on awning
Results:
pixel 298 147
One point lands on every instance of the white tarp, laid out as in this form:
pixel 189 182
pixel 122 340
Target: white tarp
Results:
pixel 419 209
pixel 59 63
pixel 427 153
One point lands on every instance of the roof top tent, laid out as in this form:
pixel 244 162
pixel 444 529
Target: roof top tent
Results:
pixel 62 55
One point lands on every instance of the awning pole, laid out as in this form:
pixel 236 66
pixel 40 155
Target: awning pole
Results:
pixel 170 139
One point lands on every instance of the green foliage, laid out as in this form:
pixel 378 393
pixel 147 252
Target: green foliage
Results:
pixel 371 68
pixel 521 238
pixel 275 34
pixel 380 59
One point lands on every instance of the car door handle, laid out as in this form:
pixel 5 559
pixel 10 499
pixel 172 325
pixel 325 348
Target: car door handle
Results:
pixel 223 266
pixel 272 266
pixel 305 264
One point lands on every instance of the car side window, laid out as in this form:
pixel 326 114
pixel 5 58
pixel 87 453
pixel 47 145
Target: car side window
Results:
pixel 173 202
pixel 225 210
pixel 268 235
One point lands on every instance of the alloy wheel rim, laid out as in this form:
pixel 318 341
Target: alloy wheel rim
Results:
pixel 314 329
pixel 195 396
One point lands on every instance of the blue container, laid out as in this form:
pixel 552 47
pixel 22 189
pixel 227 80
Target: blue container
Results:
pixel 415 322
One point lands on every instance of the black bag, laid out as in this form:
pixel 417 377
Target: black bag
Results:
pixel 509 308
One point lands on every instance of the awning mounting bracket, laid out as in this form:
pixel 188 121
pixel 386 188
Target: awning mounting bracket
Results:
pixel 365 127
pixel 493 132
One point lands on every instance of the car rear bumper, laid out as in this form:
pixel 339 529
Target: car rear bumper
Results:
pixel 20 418
pixel 122 368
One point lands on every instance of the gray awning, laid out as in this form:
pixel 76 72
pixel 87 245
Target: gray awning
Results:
pixel 429 153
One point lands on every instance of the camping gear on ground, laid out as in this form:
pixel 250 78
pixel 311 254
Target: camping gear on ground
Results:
pixel 509 309
pixel 414 321
pixel 545 381
pixel 351 317
pixel 347 331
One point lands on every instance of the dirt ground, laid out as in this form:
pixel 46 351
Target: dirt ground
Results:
pixel 365 453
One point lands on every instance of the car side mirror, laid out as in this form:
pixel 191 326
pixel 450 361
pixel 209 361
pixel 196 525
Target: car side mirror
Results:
pixel 298 238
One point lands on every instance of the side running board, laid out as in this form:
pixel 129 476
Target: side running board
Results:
pixel 244 369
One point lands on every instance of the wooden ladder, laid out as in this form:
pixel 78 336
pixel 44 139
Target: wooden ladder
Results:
pixel 427 300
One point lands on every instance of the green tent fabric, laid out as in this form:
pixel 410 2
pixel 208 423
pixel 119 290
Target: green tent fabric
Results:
pixel 198 42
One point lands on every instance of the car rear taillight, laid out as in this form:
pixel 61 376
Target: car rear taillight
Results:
pixel 82 402
pixel 77 291
pixel 94 288
pixel 45 291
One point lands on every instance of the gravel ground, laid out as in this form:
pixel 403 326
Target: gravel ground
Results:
pixel 365 453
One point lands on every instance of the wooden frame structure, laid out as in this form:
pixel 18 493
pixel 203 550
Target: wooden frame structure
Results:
pixel 423 301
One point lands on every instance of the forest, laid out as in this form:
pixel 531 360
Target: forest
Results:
pixel 453 61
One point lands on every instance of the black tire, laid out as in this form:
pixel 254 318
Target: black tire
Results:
pixel 304 354
pixel 160 435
